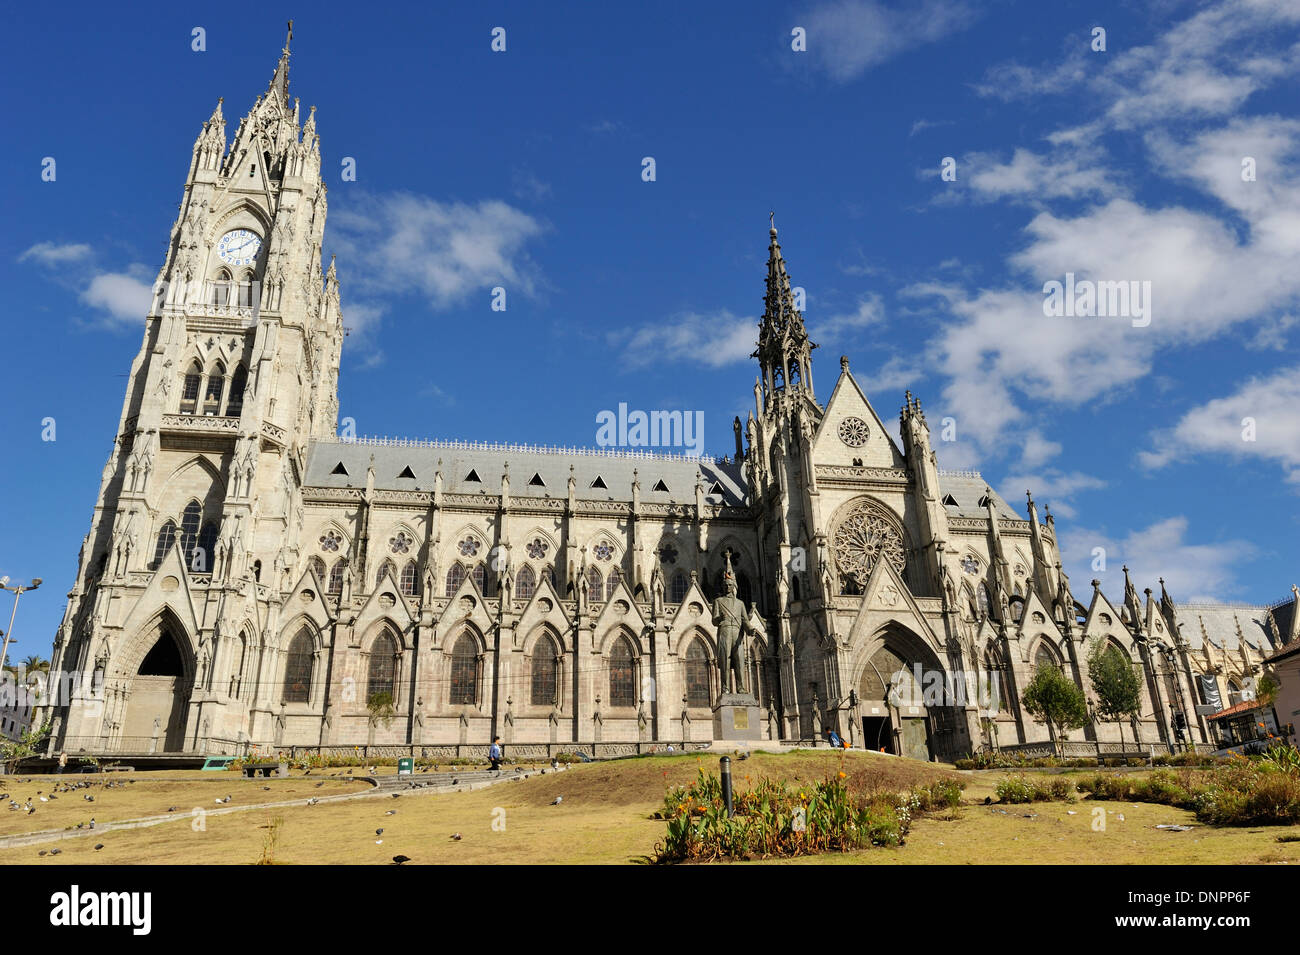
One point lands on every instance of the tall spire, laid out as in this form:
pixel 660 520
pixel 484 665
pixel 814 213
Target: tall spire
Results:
pixel 280 81
pixel 784 351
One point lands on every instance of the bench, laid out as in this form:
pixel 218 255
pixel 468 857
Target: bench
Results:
pixel 252 770
pixel 218 762
pixel 117 769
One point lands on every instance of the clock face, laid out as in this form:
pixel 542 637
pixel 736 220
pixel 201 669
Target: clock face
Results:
pixel 239 247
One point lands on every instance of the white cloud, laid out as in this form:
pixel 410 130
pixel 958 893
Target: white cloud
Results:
pixel 126 297
pixel 711 340
pixel 1052 487
pixel 838 328
pixel 1037 450
pixel 1220 427
pixel 50 254
pixel 848 37
pixel 1192 572
pixel 1035 177
pixel 527 187
pixel 402 243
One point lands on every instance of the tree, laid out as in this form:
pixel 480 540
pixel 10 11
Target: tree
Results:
pixel 1053 699
pixel 1119 692
pixel 13 752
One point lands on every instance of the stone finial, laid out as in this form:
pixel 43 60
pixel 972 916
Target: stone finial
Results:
pixel 844 364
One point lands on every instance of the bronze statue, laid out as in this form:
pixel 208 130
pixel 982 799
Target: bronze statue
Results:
pixel 729 618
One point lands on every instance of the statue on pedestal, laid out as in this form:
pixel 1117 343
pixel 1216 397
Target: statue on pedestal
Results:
pixel 730 618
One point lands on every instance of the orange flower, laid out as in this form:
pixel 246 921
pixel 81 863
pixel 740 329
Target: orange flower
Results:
pixel 841 775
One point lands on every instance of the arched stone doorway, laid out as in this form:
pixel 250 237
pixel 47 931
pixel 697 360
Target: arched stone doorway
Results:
pixel 898 707
pixel 156 707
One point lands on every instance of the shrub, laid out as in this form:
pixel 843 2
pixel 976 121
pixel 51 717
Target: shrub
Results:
pixel 775 819
pixel 1021 789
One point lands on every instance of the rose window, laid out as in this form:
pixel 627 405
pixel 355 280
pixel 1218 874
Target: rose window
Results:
pixel 330 541
pixel 469 547
pixel 863 538
pixel 536 548
pixel 668 554
pixel 853 432
pixel 400 544
pixel 603 551
pixel 970 565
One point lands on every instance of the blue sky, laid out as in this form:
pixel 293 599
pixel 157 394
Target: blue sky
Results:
pixel 523 169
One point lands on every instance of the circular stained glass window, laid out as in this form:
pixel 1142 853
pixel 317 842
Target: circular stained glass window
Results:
pixel 603 551
pixel 536 548
pixel 853 432
pixel 469 547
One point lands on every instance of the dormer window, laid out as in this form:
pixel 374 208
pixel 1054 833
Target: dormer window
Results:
pixel 600 483
pixel 660 486
pixel 339 469
pixel 536 481
pixel 473 477
pixel 950 501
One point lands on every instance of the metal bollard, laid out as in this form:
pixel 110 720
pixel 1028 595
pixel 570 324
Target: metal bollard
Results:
pixel 726 783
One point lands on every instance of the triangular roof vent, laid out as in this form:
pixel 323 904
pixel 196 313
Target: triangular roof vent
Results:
pixel 951 501
pixel 339 469
pixel 536 481
pixel 473 476
pixel 717 488
pixel 660 486
pixel 600 482
pixel 407 473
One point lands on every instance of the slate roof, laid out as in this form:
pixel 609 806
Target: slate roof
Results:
pixel 550 467
pixel 967 488
pixel 1221 622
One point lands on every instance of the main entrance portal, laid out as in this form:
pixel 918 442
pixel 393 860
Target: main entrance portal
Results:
pixel 155 711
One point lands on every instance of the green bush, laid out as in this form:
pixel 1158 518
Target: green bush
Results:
pixel 775 819
pixel 1021 789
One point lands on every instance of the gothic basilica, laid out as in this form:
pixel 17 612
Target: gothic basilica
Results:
pixel 251 579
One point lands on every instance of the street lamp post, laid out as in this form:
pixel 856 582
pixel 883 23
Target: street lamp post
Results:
pixel 18 591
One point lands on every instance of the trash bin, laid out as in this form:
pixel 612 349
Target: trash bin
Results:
pixel 405 766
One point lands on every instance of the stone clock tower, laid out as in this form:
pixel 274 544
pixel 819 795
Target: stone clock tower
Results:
pixel 195 528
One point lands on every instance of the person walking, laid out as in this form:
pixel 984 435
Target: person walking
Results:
pixel 63 762
pixel 494 753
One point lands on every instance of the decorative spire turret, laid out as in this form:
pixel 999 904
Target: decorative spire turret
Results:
pixel 784 350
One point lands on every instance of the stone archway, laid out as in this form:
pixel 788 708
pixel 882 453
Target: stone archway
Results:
pixel 158 699
pixel 894 687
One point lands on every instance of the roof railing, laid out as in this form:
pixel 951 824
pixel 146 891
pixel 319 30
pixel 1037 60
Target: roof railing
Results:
pixel 642 455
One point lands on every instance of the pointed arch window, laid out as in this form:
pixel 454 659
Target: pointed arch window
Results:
pixel 221 289
pixel 336 577
pixel 548 574
pixel 983 596
pixel 202 559
pixel 245 291
pixel 410 582
pixel 190 386
pixel 525 583
pixel 677 589
pixel 237 674
pixel 318 568
pixel 455 577
pixel 996 674
pixel 622 675
pixel 216 385
pixel 238 384
pixel 595 585
pixel 383 667
pixel 387 567
pixel 190 529
pixel 545 671
pixel 1044 657
pixel 464 672
pixel 742 588
pixel 297 671
pixel 698 675
pixel 479 573
pixel 166 538
pixel 611 583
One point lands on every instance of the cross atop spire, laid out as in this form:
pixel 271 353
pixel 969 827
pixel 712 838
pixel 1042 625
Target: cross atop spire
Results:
pixel 280 81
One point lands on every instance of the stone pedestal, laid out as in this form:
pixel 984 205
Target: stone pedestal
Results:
pixel 737 717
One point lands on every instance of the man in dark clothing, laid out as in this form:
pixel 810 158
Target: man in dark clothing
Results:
pixel 494 753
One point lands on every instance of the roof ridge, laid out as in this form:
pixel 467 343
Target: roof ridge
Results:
pixel 636 455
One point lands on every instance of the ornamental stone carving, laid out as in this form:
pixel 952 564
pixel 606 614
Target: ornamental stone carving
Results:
pixel 862 538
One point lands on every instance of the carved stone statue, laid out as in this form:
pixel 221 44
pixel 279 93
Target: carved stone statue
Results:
pixel 730 619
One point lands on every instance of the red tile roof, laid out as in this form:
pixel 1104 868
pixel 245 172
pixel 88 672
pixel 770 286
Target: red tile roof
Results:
pixel 1245 706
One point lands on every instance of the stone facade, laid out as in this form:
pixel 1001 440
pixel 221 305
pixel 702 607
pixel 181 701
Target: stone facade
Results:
pixel 250 578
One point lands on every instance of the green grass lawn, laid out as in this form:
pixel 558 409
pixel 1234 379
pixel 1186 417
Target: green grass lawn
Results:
pixel 604 816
